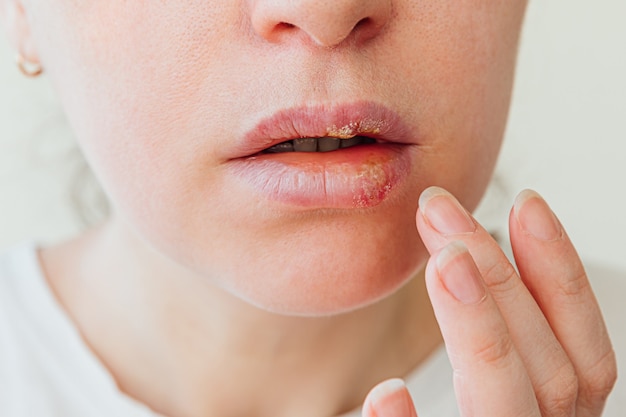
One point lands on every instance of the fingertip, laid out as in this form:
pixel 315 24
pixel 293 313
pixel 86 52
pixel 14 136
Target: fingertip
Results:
pixel 389 398
pixel 535 218
pixel 429 193
pixel 385 388
pixel 445 215
pixel 522 197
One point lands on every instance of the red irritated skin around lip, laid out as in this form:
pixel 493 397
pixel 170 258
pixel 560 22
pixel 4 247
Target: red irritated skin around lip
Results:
pixel 356 177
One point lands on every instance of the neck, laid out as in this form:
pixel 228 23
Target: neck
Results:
pixel 187 348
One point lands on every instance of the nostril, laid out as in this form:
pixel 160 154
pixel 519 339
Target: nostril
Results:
pixel 282 28
pixel 326 23
pixel 363 22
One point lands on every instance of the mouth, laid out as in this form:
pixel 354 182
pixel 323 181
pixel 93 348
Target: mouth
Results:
pixel 344 156
pixel 325 125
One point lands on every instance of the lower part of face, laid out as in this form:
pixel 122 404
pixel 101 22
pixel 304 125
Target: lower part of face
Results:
pixel 163 97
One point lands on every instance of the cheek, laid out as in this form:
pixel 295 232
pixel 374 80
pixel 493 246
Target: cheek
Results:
pixel 128 72
pixel 129 78
pixel 460 69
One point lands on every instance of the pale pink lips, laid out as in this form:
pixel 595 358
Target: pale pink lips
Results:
pixel 358 177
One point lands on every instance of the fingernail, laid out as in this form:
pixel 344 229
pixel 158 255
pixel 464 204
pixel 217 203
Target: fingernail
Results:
pixel 535 217
pixel 459 274
pixel 444 213
pixel 390 398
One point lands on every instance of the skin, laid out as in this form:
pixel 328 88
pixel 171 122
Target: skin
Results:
pixel 153 92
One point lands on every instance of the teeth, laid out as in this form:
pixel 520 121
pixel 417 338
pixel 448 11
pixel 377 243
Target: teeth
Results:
pixel 281 147
pixel 305 145
pixel 327 144
pixel 346 143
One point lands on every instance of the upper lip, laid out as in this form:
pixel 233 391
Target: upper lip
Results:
pixel 363 118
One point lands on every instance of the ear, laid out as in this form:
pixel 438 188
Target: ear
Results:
pixel 14 19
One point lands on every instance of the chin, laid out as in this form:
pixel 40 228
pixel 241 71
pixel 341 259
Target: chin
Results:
pixel 329 276
pixel 328 293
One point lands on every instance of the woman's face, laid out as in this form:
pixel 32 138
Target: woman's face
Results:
pixel 174 103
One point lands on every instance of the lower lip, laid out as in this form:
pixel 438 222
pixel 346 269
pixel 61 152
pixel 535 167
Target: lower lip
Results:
pixel 358 177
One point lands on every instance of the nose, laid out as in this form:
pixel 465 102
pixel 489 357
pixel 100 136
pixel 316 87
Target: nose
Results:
pixel 328 23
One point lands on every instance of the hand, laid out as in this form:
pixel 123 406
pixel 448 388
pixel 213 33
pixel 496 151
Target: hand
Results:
pixel 531 343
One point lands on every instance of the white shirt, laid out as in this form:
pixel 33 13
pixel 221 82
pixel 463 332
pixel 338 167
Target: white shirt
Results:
pixel 46 369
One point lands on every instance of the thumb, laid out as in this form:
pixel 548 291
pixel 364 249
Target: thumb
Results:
pixel 390 398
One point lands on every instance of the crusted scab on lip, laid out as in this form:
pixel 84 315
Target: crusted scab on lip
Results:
pixel 361 127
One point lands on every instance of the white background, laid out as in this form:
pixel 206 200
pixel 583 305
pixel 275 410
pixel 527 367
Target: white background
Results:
pixel 566 136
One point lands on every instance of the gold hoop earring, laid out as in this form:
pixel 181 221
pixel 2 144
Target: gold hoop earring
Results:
pixel 28 69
